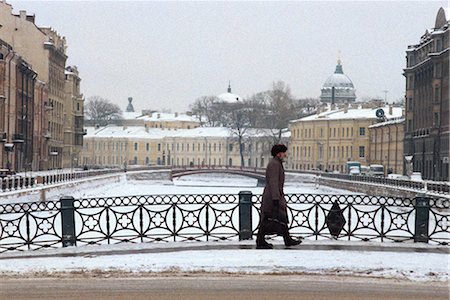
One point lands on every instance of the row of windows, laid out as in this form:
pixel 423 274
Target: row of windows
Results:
pixel 333 132
pixel 107 146
pixel 119 160
pixel 333 151
pixel 212 147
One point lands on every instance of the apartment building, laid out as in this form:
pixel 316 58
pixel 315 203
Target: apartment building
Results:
pixel 427 101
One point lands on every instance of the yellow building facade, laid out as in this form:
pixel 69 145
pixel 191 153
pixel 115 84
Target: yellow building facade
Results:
pixel 121 146
pixel 386 145
pixel 329 139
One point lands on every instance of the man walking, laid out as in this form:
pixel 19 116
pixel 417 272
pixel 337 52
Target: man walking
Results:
pixel 274 208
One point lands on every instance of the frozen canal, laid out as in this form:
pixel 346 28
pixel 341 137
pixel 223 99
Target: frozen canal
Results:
pixel 213 183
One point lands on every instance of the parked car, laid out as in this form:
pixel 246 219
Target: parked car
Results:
pixel 397 176
pixel 416 176
pixel 354 171
pixel 376 170
pixel 364 170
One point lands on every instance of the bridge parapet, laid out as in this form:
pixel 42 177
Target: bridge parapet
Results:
pixel 255 173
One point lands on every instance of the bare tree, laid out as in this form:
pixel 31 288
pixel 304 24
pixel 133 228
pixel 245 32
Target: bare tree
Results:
pixel 276 108
pixel 208 110
pixel 101 111
pixel 238 122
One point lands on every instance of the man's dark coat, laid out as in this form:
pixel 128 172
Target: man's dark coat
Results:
pixel 274 191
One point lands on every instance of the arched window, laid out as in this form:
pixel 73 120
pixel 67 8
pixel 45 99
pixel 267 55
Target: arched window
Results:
pixel 230 162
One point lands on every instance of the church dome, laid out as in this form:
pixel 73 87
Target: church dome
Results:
pixel 344 90
pixel 229 97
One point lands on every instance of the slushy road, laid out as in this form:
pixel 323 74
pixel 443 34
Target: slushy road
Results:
pixel 217 286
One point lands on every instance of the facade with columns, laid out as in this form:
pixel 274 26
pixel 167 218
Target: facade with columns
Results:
pixel 119 146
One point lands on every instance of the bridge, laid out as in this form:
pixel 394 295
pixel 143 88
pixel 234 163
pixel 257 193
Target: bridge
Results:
pixel 256 173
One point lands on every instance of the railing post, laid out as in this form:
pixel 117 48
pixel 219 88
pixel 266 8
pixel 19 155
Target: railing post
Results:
pixel 422 208
pixel 245 215
pixel 68 221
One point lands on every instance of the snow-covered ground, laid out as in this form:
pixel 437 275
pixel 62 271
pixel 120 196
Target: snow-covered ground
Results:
pixel 372 264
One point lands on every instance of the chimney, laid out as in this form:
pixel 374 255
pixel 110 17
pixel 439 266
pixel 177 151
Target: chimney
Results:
pixel 176 115
pixel 189 113
pixel 158 116
pixel 23 14
pixel 345 108
pixel 125 127
pixel 146 128
pixel 391 109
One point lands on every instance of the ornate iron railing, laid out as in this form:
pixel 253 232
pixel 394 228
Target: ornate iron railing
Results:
pixel 164 218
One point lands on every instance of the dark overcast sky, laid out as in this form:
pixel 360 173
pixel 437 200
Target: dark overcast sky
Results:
pixel 167 54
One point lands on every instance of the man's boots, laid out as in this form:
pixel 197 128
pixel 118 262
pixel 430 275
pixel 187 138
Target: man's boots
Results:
pixel 288 240
pixel 260 241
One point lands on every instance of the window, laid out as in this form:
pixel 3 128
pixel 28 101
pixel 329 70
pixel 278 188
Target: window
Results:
pixel 147 146
pixel 437 94
pixel 362 151
pixel 436 119
pixel 230 148
pixel 135 146
pixel 362 131
pixel 438 45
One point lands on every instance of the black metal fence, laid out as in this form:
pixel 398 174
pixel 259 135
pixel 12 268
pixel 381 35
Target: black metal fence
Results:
pixel 164 218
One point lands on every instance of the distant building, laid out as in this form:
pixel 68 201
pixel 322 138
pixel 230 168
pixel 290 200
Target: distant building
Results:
pixel 427 101
pixel 120 146
pixel 229 97
pixel 74 118
pixel 338 88
pixel 386 144
pixel 154 119
pixel 330 138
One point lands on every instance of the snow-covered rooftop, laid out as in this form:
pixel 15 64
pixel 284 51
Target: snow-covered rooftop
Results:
pixel 391 122
pixel 229 97
pixel 130 115
pixel 113 131
pixel 352 113
pixel 168 117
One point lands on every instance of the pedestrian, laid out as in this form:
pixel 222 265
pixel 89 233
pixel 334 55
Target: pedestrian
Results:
pixel 273 217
